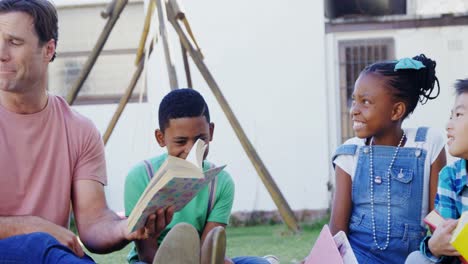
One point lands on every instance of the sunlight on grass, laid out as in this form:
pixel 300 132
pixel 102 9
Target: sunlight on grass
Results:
pixel 254 240
pixel 272 240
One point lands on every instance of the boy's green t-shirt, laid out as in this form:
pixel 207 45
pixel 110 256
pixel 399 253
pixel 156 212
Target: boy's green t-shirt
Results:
pixel 194 212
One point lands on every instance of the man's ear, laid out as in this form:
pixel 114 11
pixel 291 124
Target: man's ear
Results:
pixel 212 127
pixel 49 50
pixel 159 135
pixel 399 110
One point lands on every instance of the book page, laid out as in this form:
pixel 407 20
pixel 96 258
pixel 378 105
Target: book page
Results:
pixel 197 152
pixel 433 219
pixel 324 249
pixel 462 221
pixel 177 190
pixel 346 252
pixel 211 173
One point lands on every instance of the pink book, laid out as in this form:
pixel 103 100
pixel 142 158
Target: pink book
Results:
pixel 324 249
pixel 331 249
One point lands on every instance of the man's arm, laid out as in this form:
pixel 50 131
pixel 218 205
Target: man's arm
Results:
pixel 19 225
pixel 100 229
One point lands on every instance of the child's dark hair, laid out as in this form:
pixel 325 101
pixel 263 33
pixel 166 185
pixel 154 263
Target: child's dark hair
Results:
pixel 181 103
pixel 409 85
pixel 461 86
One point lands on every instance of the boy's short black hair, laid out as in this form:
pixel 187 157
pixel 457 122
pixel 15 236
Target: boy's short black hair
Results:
pixel 461 86
pixel 181 103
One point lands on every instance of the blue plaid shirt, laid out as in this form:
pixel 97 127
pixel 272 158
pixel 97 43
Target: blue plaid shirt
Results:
pixel 452 197
pixel 452 193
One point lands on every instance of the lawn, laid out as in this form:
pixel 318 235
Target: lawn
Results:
pixel 254 240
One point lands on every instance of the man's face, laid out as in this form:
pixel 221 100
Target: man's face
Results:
pixel 23 61
pixel 457 128
pixel 181 133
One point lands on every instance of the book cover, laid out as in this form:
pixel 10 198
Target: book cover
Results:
pixel 324 249
pixel 331 249
pixel 460 237
pixel 176 183
pixel 433 219
pixel 345 249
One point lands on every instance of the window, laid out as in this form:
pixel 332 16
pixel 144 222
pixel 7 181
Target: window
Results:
pixel 79 30
pixel 107 81
pixel 354 55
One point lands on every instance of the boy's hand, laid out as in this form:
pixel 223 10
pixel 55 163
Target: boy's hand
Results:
pixel 155 224
pixel 439 243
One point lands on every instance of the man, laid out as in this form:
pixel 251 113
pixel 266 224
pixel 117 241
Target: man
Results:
pixel 51 158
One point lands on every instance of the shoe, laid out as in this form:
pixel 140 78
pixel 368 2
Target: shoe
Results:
pixel 214 247
pixel 180 246
pixel 272 259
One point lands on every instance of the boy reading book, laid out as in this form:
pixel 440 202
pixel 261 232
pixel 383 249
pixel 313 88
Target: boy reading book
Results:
pixel 452 193
pixel 183 119
pixel 175 184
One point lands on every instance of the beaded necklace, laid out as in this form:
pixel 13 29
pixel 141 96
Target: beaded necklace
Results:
pixel 372 179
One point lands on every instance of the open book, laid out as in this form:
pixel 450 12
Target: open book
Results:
pixel 175 183
pixel 331 249
pixel 459 238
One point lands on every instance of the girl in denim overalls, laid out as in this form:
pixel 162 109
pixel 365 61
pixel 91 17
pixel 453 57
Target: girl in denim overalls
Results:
pixel 386 177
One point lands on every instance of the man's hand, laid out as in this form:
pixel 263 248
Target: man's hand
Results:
pixel 155 224
pixel 63 235
pixel 439 243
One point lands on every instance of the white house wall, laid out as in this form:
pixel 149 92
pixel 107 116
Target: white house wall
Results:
pixel 268 58
pixel 448 46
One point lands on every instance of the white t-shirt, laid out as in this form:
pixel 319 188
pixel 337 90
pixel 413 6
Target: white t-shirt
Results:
pixel 433 145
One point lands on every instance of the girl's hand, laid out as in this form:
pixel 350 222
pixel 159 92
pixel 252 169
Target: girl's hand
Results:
pixel 439 243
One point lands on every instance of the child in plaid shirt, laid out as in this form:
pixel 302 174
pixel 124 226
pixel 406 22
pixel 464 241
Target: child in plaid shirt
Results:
pixel 452 192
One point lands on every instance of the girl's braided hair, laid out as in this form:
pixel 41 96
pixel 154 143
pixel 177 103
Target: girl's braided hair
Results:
pixel 409 85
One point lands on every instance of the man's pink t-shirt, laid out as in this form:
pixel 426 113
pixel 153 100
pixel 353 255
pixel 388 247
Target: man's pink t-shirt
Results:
pixel 42 155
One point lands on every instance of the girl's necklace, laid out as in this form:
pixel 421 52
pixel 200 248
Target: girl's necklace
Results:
pixel 372 179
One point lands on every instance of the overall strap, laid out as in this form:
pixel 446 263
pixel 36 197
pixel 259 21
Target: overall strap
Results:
pixel 348 149
pixel 421 134
pixel 212 193
pixel 149 169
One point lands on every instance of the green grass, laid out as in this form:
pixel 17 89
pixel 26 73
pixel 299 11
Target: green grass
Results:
pixel 254 240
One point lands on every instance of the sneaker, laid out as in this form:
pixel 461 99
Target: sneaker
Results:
pixel 214 247
pixel 180 246
pixel 272 259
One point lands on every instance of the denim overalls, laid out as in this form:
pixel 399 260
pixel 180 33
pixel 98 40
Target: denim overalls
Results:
pixel 407 180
